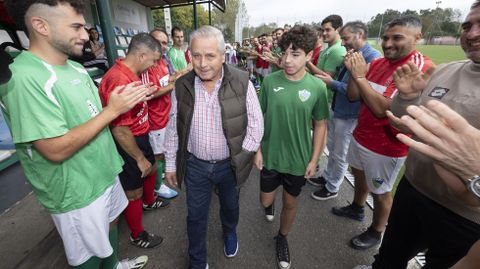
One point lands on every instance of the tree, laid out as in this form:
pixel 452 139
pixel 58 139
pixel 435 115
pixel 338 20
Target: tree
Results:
pixel 181 17
pixel 225 21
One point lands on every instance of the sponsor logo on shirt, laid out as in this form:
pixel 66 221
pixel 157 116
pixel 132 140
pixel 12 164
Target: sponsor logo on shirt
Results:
pixel 75 82
pixel 438 92
pixel 278 89
pixel 92 108
pixel 304 95
pixel 377 182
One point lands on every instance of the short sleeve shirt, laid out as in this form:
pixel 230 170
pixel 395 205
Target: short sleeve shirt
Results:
pixel 158 108
pixel 137 117
pixel 289 108
pixel 376 134
pixel 330 60
pixel 177 57
pixel 45 101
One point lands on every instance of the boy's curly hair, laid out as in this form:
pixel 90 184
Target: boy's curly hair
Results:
pixel 300 37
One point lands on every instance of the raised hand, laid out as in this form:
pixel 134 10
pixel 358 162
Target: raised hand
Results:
pixel 410 81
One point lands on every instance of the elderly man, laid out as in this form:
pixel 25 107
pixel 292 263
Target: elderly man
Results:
pixel 374 154
pixel 354 38
pixel 214 129
pixel 61 133
pixel 433 207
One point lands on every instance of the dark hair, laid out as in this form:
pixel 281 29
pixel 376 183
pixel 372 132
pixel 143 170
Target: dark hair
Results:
pixel 176 29
pixel 18 8
pixel 90 33
pixel 278 29
pixel 335 20
pixel 143 40
pixel 300 37
pixel 405 21
pixel 158 30
pixel 475 4
pixel 357 27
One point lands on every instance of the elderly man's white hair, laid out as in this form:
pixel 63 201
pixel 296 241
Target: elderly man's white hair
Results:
pixel 208 31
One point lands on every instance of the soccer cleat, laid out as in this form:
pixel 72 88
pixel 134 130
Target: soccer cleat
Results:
pixel 159 203
pixel 146 240
pixel 135 263
pixel 165 192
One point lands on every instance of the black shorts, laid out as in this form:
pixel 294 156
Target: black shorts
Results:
pixel 271 179
pixel 131 176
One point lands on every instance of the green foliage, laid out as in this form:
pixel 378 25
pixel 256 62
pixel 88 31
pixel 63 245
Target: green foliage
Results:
pixel 436 22
pixel 225 21
pixel 181 17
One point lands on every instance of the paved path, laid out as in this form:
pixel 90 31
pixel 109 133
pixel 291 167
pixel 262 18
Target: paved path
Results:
pixel 318 239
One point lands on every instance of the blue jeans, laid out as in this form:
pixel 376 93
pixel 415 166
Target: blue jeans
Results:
pixel 340 131
pixel 200 178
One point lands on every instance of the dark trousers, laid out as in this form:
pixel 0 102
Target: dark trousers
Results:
pixel 200 178
pixel 417 223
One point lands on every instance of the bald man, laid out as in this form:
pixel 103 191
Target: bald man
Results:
pixel 61 133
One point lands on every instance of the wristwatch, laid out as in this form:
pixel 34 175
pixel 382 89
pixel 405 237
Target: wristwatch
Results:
pixel 473 185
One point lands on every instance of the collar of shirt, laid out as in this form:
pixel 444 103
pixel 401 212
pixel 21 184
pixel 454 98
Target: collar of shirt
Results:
pixel 199 84
pixel 126 71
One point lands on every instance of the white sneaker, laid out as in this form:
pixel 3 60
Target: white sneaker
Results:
pixel 166 192
pixel 363 267
pixel 135 263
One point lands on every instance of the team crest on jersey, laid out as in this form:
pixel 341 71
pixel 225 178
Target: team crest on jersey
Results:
pixel 377 182
pixel 438 92
pixel 304 95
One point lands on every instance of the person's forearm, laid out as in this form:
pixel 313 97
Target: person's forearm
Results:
pixel 377 103
pixel 353 93
pixel 164 90
pixel 471 260
pixel 126 140
pixel 58 149
pixel 319 136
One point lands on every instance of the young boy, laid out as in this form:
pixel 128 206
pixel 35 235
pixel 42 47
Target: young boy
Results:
pixel 290 100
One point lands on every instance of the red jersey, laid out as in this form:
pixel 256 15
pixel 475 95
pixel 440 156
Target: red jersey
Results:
pixel 136 118
pixel 260 62
pixel 315 55
pixel 376 134
pixel 158 108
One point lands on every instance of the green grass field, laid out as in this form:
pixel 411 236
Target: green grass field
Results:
pixel 439 53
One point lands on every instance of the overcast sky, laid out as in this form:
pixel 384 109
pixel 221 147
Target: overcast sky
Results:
pixel 291 11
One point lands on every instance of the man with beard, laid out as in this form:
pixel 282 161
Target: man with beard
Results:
pixel 130 132
pixel 61 133
pixel 375 155
pixel 159 110
pixel 435 207
pixel 354 38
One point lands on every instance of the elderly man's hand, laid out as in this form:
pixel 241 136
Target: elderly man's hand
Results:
pixel 171 179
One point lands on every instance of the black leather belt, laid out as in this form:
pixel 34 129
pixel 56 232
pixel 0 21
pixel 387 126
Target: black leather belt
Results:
pixel 210 161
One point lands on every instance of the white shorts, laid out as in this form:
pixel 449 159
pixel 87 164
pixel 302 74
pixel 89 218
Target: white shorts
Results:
pixel 380 171
pixel 84 231
pixel 157 138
